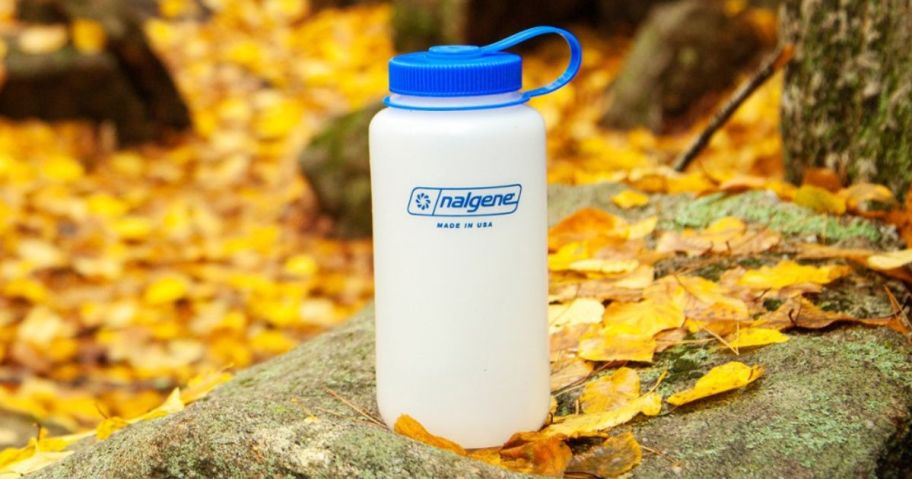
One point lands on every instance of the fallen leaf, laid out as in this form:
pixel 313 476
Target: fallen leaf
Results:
pixel 610 391
pixel 409 427
pixel 88 35
pixel 890 260
pixel 43 39
pixel 788 273
pixel 584 425
pixel 820 200
pixel 727 377
pixel 825 178
pixel 586 224
pixel 569 370
pixel 629 199
pixel 753 337
pixel 578 311
pixel 603 266
pixel 614 457
pixel 647 316
pixel 616 343
pixel 110 426
pixel 546 456
pixel 819 251
pixel 859 195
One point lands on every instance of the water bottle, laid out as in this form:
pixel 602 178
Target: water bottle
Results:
pixel 459 195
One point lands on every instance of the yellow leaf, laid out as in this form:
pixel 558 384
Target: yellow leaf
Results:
pixel 648 317
pixel 610 391
pixel 171 405
pixel 586 224
pixel 88 35
pixel 788 273
pixel 409 427
pixel 614 457
pixel 64 169
pixel 579 311
pixel 301 265
pixel 602 266
pixel 567 371
pixel 629 199
pixel 753 337
pixel 890 260
pixel 858 194
pixel 132 227
pixel 584 425
pixel 110 426
pixel 201 384
pixel 165 290
pixel 820 200
pixel 642 228
pixel 617 343
pixel 729 376
pixel 39 40
pixel 34 462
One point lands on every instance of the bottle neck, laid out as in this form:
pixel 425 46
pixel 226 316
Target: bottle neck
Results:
pixel 455 103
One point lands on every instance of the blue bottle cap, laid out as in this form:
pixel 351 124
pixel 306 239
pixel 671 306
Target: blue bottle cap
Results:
pixel 469 70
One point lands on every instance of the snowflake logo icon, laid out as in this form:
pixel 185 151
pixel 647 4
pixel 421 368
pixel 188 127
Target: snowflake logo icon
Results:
pixel 422 201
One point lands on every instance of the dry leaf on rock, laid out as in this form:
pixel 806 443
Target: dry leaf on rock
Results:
pixel 820 200
pixel 615 456
pixel 578 311
pixel 586 224
pixel 546 456
pixel 616 343
pixel 890 260
pixel 409 427
pixel 610 391
pixel 629 199
pixel 584 425
pixel 719 379
pixel 568 370
pixel 788 273
pixel 754 337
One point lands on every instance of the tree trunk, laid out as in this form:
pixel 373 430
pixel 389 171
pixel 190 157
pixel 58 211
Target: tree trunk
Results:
pixel 847 101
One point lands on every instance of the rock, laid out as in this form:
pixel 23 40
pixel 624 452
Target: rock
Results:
pixel 336 162
pixel 833 403
pixel 684 52
pixel 847 97
pixel 140 99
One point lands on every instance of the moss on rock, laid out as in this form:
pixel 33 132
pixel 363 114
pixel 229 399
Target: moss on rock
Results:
pixel 834 403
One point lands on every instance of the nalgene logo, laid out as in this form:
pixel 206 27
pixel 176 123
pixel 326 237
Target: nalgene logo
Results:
pixel 472 201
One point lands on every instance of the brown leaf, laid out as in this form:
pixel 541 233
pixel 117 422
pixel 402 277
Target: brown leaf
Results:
pixel 616 455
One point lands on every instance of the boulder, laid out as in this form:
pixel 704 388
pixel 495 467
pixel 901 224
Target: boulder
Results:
pixel 139 98
pixel 834 403
pixel 683 53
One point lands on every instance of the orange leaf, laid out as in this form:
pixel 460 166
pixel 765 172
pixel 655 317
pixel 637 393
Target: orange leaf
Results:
pixel 409 427
pixel 547 456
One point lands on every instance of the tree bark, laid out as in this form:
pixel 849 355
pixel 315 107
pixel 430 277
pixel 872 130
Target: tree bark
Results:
pixel 847 100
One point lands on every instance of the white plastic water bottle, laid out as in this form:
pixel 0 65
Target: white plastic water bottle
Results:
pixel 460 242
